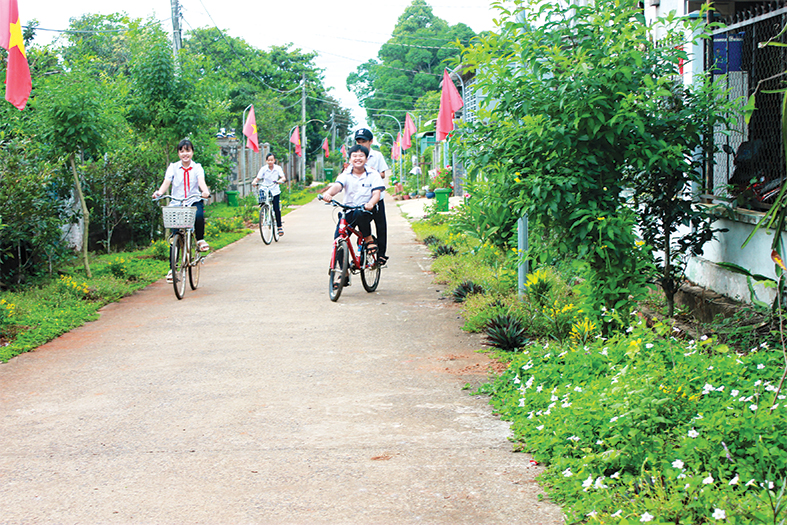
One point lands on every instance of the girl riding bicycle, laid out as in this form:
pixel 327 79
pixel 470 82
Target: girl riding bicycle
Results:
pixel 362 187
pixel 188 178
pixel 269 175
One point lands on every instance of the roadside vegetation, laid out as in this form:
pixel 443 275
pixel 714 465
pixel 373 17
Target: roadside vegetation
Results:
pixel 637 418
pixel 36 314
pixel 636 423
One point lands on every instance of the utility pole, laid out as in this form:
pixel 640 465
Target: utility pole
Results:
pixel 176 41
pixel 304 149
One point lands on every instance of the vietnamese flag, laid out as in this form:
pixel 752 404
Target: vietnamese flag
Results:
pixel 325 147
pixel 409 131
pixel 250 130
pixel 450 102
pixel 396 151
pixel 344 151
pixel 17 77
pixel 296 139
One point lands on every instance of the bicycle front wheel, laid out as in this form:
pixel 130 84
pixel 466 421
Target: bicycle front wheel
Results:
pixel 370 271
pixel 266 224
pixel 177 264
pixel 194 265
pixel 337 275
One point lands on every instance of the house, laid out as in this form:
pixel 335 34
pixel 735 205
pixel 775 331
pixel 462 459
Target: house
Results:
pixel 752 151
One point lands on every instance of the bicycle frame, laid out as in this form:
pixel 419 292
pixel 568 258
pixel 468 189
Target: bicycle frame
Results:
pixel 346 233
pixel 185 238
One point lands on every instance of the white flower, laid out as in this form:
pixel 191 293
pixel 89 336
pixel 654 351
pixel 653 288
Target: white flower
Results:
pixel 540 427
pixel 613 419
pixel 734 393
pixel 693 433
pixel 734 481
pixel 616 475
pixel 710 367
pixel 629 329
pixel 708 480
pixel 539 388
pixel 751 482
pixel 707 388
pixel 719 514
pixel 588 482
pixel 522 405
pixel 774 407
pixel 577 389
pixel 617 514
pixel 604 352
pixel 753 407
pixel 554 398
pixel 591 514
pixel 681 475
pixel 649 346
pixel 517 380
pixel 758 382
pixel 759 367
pixel 704 338
pixel 677 463
pixel 646 517
pixel 720 389
pixel 573 438
pixel 599 484
pixel 567 473
pixel 599 442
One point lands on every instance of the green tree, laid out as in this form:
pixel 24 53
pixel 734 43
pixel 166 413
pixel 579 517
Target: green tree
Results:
pixel 409 65
pixel 581 101
pixel 75 126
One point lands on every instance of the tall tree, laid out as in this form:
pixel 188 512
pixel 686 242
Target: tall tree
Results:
pixel 408 65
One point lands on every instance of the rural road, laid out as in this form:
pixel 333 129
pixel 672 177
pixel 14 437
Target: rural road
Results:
pixel 256 400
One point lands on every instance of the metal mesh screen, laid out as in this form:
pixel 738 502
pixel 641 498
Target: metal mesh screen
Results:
pixel 749 162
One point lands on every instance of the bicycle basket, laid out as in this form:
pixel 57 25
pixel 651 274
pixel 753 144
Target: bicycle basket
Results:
pixel 265 196
pixel 179 216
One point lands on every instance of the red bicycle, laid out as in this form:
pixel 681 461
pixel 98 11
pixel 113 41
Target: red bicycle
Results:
pixel 345 259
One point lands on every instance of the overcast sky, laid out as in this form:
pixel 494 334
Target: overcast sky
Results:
pixel 344 33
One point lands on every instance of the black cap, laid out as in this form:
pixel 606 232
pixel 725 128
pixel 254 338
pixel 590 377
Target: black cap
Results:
pixel 363 134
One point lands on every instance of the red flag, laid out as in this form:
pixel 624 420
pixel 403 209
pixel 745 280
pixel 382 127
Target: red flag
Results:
pixel 325 147
pixel 18 83
pixel 409 131
pixel 450 102
pixel 344 151
pixel 250 130
pixel 396 151
pixel 296 139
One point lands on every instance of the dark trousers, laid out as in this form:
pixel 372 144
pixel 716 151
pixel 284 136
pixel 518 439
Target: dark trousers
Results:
pixel 381 226
pixel 199 221
pixel 277 209
pixel 359 220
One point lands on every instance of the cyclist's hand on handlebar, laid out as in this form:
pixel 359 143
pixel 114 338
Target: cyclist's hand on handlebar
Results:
pixel 205 194
pixel 369 206
pixel 156 195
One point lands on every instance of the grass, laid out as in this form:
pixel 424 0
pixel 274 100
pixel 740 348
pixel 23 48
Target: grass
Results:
pixel 634 425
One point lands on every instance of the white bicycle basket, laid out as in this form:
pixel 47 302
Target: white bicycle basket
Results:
pixel 179 216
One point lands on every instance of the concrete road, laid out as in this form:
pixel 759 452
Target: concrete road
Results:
pixel 257 400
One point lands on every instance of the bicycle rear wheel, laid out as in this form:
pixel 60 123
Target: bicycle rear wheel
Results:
pixel 370 271
pixel 177 263
pixel 194 265
pixel 337 275
pixel 266 224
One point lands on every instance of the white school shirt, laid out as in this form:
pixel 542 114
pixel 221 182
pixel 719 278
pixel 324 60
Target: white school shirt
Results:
pixel 269 176
pixel 376 161
pixel 185 181
pixel 358 190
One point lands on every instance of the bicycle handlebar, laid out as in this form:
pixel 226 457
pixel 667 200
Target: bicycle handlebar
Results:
pixel 345 207
pixel 178 199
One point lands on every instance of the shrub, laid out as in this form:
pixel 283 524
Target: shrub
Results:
pixel 465 289
pixel 444 249
pixel 506 332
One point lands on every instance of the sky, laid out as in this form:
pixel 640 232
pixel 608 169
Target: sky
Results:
pixel 344 33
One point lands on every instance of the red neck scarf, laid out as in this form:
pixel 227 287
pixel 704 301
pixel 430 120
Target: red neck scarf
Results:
pixel 186 181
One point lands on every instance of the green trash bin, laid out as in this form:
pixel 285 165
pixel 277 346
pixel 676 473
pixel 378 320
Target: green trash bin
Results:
pixel 232 198
pixel 328 174
pixel 441 198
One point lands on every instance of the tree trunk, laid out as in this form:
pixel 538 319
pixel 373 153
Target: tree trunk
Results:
pixel 85 216
pixel 669 288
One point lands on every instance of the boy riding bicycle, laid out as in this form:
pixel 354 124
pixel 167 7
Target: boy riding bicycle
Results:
pixel 362 187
